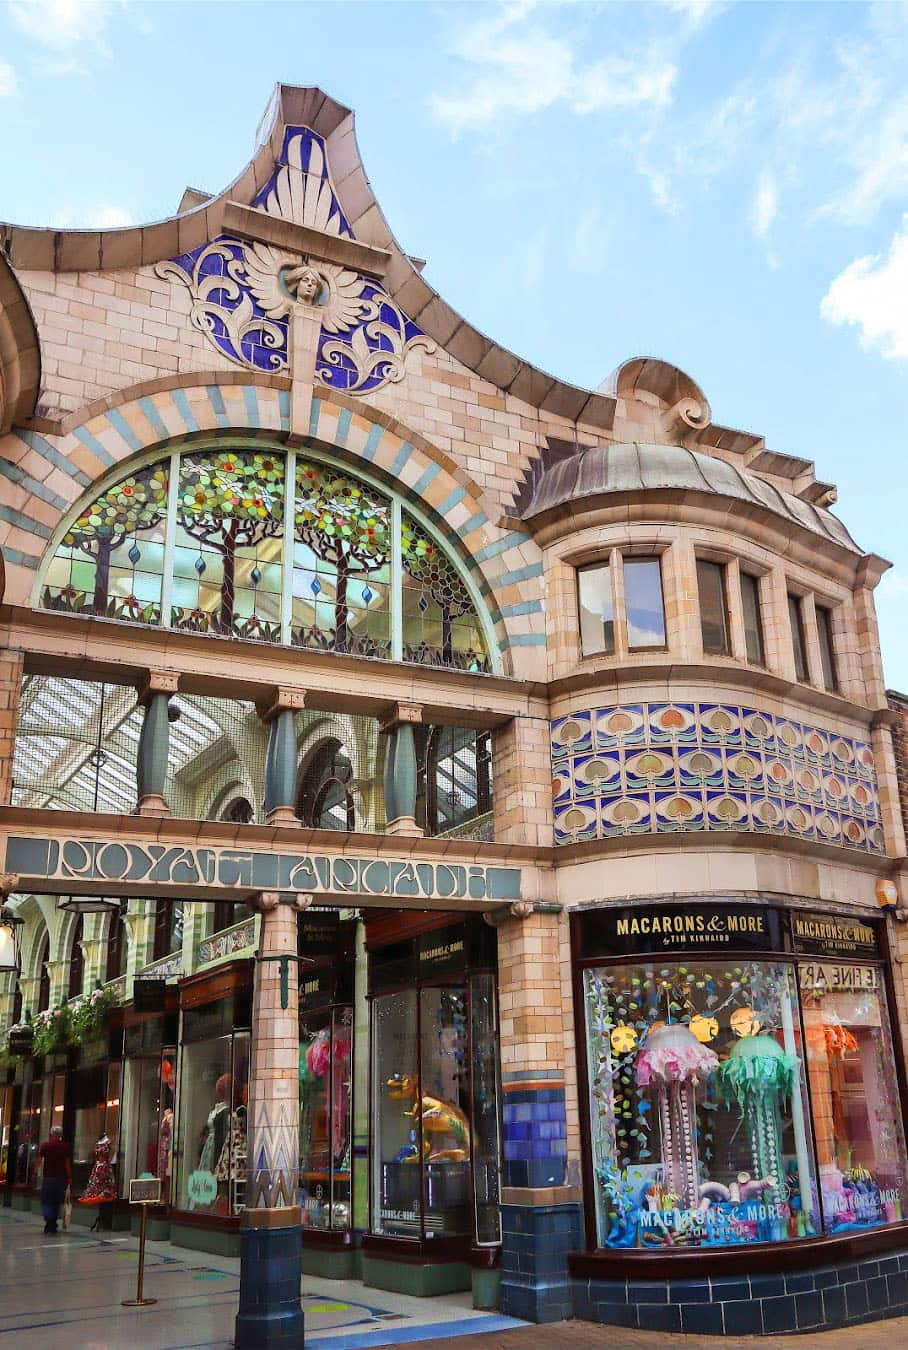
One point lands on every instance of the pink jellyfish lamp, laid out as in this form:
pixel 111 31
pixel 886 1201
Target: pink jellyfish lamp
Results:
pixel 674 1062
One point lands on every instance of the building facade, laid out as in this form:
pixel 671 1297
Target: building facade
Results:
pixel 454 815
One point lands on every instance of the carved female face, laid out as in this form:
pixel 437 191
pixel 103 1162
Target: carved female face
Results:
pixel 305 283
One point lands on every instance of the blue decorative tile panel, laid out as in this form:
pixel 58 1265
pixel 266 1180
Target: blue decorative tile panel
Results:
pixel 659 768
pixel 243 291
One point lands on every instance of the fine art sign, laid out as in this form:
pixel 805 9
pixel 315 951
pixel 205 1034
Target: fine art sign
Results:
pixel 93 860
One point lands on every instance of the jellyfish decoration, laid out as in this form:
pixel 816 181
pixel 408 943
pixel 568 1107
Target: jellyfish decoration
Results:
pixel 674 1062
pixel 760 1076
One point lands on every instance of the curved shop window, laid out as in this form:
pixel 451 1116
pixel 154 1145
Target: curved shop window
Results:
pixel 741 1078
pixel 274 546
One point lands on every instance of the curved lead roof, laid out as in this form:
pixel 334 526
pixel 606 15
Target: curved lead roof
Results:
pixel 604 470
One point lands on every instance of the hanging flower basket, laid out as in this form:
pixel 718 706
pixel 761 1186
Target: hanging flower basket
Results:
pixel 88 1015
pixel 21 1039
pixel 51 1031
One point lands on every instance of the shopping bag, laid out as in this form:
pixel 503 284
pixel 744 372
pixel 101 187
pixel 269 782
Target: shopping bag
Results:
pixel 67 1208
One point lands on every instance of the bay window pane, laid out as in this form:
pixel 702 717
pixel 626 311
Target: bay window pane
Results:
pixel 753 619
pixel 796 619
pixel 643 602
pixel 713 608
pixel 827 649
pixel 597 616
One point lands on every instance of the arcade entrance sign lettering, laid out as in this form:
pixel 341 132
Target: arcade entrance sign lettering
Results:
pixel 110 862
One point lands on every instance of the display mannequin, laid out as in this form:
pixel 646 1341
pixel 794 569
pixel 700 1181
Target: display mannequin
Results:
pixel 101 1184
pixel 215 1132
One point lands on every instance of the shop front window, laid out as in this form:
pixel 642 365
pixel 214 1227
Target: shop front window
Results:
pixel 214 1078
pixel 445 1107
pixel 397 1135
pixel 435 1105
pixel 485 1113
pixel 326 1117
pixel 150 1087
pixel 851 1067
pixel 698 1106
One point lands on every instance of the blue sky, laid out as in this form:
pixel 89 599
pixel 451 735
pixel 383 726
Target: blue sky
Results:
pixel 724 186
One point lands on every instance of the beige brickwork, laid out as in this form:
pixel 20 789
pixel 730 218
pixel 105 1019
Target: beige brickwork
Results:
pixel 11 664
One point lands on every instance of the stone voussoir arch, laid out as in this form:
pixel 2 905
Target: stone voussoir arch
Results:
pixel 166 413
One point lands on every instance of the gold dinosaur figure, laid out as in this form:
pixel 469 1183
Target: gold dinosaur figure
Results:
pixel 438 1118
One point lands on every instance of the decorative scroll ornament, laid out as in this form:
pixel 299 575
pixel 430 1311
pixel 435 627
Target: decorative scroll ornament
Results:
pixel 243 292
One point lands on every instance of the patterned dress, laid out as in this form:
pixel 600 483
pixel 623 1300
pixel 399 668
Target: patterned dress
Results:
pixel 101 1184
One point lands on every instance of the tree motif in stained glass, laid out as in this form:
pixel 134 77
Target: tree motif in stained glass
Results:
pixel 441 627
pixel 341 562
pixel 110 561
pixel 227 559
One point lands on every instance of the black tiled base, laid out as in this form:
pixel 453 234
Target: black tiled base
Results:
pixel 831 1296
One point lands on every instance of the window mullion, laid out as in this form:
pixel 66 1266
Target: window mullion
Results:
pixel 170 540
pixel 397 596
pixel 287 554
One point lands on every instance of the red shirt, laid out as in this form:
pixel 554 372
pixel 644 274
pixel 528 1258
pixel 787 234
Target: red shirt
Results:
pixel 55 1154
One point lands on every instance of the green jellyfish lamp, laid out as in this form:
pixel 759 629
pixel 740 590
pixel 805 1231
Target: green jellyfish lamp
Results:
pixel 760 1076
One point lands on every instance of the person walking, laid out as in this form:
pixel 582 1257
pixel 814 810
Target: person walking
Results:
pixel 56 1159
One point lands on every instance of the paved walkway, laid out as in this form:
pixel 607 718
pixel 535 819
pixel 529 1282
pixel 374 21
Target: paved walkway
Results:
pixel 888 1335
pixel 64 1293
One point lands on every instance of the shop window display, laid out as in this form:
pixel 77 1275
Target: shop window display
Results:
pixel 214 1075
pixel 699 1114
pixel 851 1067
pixel 326 1117
pixel 150 1088
pixel 435 1101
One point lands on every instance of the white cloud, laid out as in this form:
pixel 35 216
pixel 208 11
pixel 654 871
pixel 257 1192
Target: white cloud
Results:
pixel 61 23
pixel 102 216
pixel 7 79
pixel 765 206
pixel 872 294
pixel 521 67
pixel 696 12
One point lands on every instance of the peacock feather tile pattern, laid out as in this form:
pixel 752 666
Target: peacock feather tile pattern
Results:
pixel 664 768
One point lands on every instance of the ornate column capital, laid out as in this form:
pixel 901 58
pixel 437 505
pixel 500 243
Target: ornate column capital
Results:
pixel 281 699
pixel 400 714
pixel 9 882
pixel 158 682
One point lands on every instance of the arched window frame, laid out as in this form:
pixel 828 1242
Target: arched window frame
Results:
pixel 243 445
pixel 76 977
pixel 311 794
pixel 116 954
pixel 43 974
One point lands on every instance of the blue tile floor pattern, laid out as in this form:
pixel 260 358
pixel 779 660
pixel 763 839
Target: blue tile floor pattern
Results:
pixel 65 1292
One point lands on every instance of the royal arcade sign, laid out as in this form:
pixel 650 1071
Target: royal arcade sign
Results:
pixel 195 871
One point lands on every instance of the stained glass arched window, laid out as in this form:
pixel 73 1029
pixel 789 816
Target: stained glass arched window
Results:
pixel 199 542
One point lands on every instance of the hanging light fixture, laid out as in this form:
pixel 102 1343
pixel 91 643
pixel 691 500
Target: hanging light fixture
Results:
pixel 88 904
pixel 10 923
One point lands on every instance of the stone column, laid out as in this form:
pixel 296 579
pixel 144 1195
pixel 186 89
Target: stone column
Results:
pixel 11 662
pixel 281 758
pixel 270 1316
pixel 400 770
pixel 540 1210
pixel 154 742
pixel 522 781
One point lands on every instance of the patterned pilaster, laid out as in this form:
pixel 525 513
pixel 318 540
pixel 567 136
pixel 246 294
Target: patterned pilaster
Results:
pixel 274 1082
pixel 270 1314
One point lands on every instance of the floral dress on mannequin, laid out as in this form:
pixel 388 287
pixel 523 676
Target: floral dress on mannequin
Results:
pixel 101 1184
